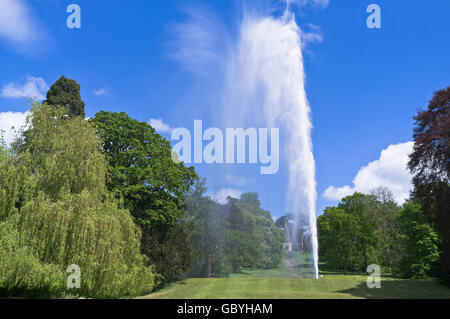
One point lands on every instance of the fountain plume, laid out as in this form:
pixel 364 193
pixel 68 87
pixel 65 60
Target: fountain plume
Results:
pixel 266 80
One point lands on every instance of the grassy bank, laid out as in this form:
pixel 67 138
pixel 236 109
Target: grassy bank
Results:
pixel 332 286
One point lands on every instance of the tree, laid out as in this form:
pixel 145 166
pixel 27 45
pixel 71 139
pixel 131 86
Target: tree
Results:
pixel 63 154
pixel 241 241
pixel 271 245
pixel 419 240
pixel 386 228
pixel 281 221
pixel 169 248
pixel 337 240
pixel 362 207
pixel 66 92
pixel 66 216
pixel 430 166
pixel 347 234
pixel 141 169
pixel 153 187
pixel 207 220
pixel 269 236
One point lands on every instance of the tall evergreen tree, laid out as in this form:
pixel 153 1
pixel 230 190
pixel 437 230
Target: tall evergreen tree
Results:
pixel 66 92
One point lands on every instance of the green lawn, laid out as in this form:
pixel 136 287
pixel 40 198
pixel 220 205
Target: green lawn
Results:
pixel 284 283
pixel 336 287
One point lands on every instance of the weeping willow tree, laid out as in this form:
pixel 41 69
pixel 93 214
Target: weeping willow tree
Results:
pixel 56 212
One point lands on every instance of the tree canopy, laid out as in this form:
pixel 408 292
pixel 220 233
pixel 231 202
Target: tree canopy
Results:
pixel 57 211
pixel 141 169
pixel 66 92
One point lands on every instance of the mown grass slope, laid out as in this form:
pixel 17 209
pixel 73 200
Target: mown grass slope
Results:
pixel 333 286
pixel 287 282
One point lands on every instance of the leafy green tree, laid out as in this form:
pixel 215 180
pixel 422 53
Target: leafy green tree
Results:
pixel 420 242
pixel 66 216
pixel 66 92
pixel 281 221
pixel 337 239
pixel 271 245
pixel 348 237
pixel 362 207
pixel 269 236
pixel 169 248
pixel 72 162
pixel 242 244
pixel 141 171
pixel 207 220
pixel 387 228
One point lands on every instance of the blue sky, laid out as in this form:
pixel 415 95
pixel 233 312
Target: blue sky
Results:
pixel 363 85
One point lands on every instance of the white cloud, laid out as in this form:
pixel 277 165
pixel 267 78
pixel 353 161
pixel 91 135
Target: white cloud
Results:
pixel 236 180
pixel 160 126
pixel 102 92
pixel 313 35
pixel 221 195
pixel 10 123
pixel 17 24
pixel 33 87
pixel 319 3
pixel 390 170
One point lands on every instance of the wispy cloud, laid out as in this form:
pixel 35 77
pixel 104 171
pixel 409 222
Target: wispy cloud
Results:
pixel 10 124
pixel 160 126
pixel 18 26
pixel 33 87
pixel 321 3
pixel 236 180
pixel 221 195
pixel 390 170
pixel 318 3
pixel 311 34
pixel 102 92
pixel 197 42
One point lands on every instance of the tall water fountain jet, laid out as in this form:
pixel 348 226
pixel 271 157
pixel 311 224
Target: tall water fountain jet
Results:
pixel 266 79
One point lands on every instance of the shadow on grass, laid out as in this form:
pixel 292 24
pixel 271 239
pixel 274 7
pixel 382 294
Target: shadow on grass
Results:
pixel 401 289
